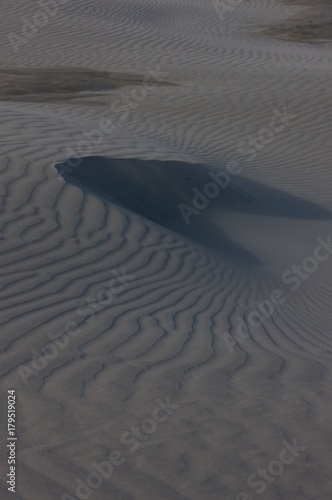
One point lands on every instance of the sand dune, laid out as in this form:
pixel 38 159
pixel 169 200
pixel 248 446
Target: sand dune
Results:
pixel 112 306
pixel 167 193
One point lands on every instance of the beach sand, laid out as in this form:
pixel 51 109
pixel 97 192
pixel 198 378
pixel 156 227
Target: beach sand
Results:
pixel 165 249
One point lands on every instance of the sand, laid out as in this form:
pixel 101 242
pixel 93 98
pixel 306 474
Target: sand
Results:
pixel 42 85
pixel 310 27
pixel 164 166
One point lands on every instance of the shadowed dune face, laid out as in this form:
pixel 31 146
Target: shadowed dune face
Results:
pixel 171 194
pixel 37 84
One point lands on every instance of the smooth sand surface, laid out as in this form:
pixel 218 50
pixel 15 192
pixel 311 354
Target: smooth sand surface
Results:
pixel 114 113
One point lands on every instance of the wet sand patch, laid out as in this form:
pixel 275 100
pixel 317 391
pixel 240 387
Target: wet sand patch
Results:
pixel 311 3
pixel 39 85
pixel 312 25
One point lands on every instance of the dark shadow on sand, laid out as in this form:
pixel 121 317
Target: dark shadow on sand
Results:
pixel 155 190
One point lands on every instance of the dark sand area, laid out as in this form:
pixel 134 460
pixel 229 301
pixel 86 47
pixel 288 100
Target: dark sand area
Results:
pixel 312 25
pixel 42 84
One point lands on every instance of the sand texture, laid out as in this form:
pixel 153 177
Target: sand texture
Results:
pixel 165 239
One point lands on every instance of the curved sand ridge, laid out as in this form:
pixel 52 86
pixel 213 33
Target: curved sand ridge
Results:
pixel 167 193
pixel 180 324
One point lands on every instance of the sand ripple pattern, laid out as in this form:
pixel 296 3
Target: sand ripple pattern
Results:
pixel 163 333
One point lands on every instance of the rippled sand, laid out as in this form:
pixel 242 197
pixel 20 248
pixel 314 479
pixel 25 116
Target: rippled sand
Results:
pixel 165 239
pixel 40 85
